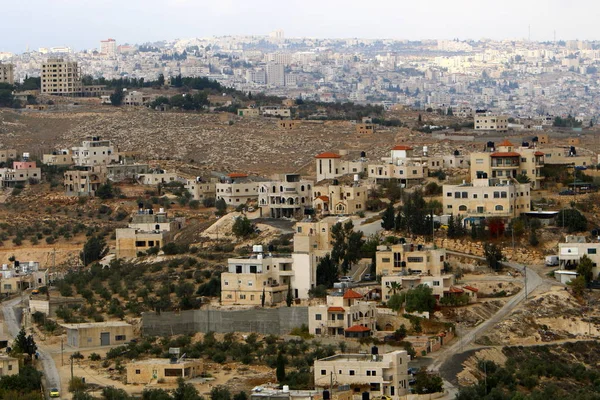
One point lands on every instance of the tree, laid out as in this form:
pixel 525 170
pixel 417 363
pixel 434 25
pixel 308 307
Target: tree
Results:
pixel 242 227
pixel 221 206
pixel 400 333
pixel 116 98
pixel 571 219
pixel 161 80
pixel 105 191
pixel 420 299
pixel 93 250
pixel 280 368
pixel 24 343
pixel 533 238
pixel 413 216
pixel 389 216
pixel 263 298
pixel 450 112
pixel 327 272
pixel 395 302
pixel 427 382
pixel 493 255
pixel 578 285
pixel 585 268
pixel 289 299
pixel 346 245
pixel 220 393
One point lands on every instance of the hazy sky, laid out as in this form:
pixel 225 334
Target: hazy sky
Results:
pixel 82 24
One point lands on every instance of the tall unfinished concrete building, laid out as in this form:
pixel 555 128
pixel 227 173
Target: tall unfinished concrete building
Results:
pixel 7 74
pixel 61 77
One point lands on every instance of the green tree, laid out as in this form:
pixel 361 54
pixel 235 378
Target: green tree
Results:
pixel 427 382
pixel 116 98
pixel 420 299
pixel 220 393
pixel 346 245
pixel 263 298
pixel 388 218
pixel 493 255
pixel 289 299
pixel 578 285
pixel 585 268
pixel 94 249
pixel 24 344
pixel 161 80
pixel 571 219
pixel 280 368
pixel 221 206
pixel 395 302
pixel 242 227
pixel 105 191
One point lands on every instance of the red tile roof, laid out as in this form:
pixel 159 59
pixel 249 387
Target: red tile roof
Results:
pixel 351 294
pixel 237 175
pixel 340 309
pixel 358 328
pixel 471 288
pixel 505 154
pixel 506 143
pixel 328 154
pixel 539 153
pixel 454 289
pixel 402 147
pixel 324 198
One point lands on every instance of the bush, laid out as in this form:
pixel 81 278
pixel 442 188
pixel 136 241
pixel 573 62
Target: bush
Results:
pixel 209 202
pixel 194 204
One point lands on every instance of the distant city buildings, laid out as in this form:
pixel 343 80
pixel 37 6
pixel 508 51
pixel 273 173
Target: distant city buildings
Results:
pixel 7 73
pixel 108 47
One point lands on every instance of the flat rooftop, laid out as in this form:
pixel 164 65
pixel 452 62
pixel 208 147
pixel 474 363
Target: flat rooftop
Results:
pixel 165 361
pixel 107 324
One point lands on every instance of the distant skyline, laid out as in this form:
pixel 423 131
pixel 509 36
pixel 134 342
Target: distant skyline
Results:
pixel 81 24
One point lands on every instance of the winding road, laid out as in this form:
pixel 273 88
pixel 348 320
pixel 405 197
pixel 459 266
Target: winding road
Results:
pixel 12 318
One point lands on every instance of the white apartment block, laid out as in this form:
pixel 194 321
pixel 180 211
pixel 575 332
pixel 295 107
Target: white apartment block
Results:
pixel 401 165
pixel 575 247
pixel 275 75
pixel 485 198
pixel 332 165
pixel 108 47
pixel 201 189
pixel 285 197
pixel 159 176
pixel 377 374
pixel 60 77
pixel 94 151
pixel 344 315
pixel 408 258
pixel 7 74
pixel 273 111
pixel 237 189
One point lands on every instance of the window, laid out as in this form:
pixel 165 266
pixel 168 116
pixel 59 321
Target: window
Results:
pixel 503 195
pixel 499 208
pixel 496 195
pixel 457 195
pixel 299 229
pixel 323 372
pixel 318 317
pixel 591 251
pixel 120 337
pixel 462 208
pixel 465 195
pixel 137 371
pixel 351 372
pixel 385 260
pixel 414 259
pixel 449 194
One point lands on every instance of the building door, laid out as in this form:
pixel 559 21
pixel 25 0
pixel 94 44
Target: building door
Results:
pixel 105 339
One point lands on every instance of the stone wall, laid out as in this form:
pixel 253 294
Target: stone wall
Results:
pixel 276 321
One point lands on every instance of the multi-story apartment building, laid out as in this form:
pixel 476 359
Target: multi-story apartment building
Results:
pixel 62 157
pixel 135 98
pixel 61 77
pixel 157 176
pixel 108 47
pixel 20 173
pixel 7 74
pixel 490 122
pixel 408 258
pixel 7 155
pixel 401 165
pixel 247 280
pixel 440 284
pixel 575 247
pixel 332 165
pixel 94 151
pixel 201 189
pixel 146 230
pixel 238 188
pixel 344 315
pixel 84 180
pixel 377 374
pixel 314 236
pixel 286 196
pixel 275 75
pixel 484 198
pixel 330 196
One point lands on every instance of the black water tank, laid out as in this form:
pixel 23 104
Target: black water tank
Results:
pixel 325 394
pixel 363 154
pixel 525 144
pixel 140 205
pixel 374 350
pixel 490 145
pixel 456 153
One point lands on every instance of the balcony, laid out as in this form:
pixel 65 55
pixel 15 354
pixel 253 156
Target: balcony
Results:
pixel 491 213
pixel 335 324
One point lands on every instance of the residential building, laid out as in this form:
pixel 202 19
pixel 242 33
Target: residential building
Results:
pixel 94 151
pixel 61 77
pixel 484 198
pixel 248 279
pixel 248 112
pixel 21 173
pixel 401 165
pixel 7 155
pixel 49 306
pixel 365 128
pixel 58 158
pixel 8 366
pixel 136 98
pixel 162 369
pixel 332 165
pixel 200 189
pixel 21 276
pixel 377 374
pixel 154 177
pixel 238 188
pixel 84 181
pixel 574 248
pixel 7 73
pixel 275 75
pixel 146 230
pixel 408 258
pixel 314 237
pixel 108 47
pixel 286 196
pixel 490 122
pixel 273 111
pixel 440 284
pixel 120 172
pixel 344 315
pixel 331 196
pixel 95 334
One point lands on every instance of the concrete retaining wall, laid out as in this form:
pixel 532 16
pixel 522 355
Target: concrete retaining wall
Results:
pixel 276 321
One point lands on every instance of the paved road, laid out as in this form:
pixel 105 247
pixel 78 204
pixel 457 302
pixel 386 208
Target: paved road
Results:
pixel 372 228
pixel 12 318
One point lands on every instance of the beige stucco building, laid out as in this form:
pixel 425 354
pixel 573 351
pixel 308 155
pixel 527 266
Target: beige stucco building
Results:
pixel 378 374
pixel 200 189
pixel 6 155
pixel 440 284
pixel 335 198
pixel 61 77
pixel 84 181
pixel 95 334
pixel 287 195
pixel 330 165
pixel 94 151
pixel 162 369
pixel 574 248
pixel 20 173
pixel 7 74
pixel 237 189
pixel 401 165
pixel 488 122
pixel 146 230
pixel 408 259
pixel 484 198
pixel 9 366
pixel 344 315
pixel 58 158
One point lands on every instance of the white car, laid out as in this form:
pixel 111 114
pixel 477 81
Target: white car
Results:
pixel 346 279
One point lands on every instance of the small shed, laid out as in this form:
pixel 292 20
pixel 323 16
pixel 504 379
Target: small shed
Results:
pixel 564 276
pixel 95 334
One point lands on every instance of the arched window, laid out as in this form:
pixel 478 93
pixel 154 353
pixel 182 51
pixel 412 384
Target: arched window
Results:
pixel 462 208
pixel 499 208
pixel 302 188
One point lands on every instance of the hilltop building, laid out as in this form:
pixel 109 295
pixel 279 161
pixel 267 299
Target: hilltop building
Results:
pixel 344 315
pixel 402 165
pixel 287 196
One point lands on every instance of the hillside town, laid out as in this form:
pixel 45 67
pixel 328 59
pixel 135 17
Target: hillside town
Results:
pixel 268 217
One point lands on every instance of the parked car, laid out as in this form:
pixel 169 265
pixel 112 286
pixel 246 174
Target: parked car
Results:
pixel 54 392
pixel 346 279
pixel 551 261
pixel 566 192
pixel 368 277
pixel 413 370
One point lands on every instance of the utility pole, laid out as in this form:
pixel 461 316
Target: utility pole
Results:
pixel 71 368
pixel 62 355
